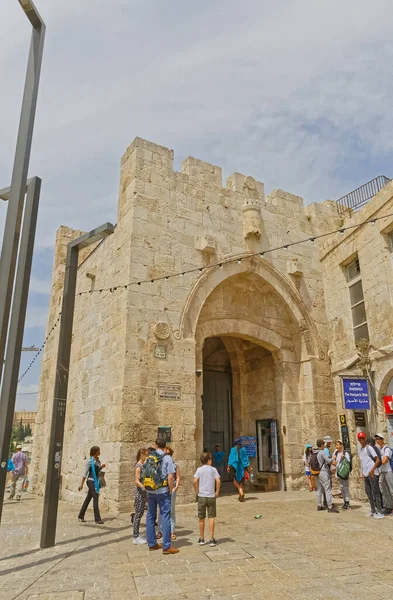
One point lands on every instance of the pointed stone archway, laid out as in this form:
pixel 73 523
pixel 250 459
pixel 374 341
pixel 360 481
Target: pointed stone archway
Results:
pixel 278 367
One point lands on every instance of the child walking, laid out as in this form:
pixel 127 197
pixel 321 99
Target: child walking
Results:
pixel 207 485
pixel 306 460
pixel 139 495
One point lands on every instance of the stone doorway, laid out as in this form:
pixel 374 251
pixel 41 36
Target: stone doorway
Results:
pixel 217 398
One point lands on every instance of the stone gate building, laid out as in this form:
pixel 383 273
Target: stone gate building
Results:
pixel 252 345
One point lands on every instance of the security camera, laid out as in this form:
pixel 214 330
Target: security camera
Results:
pixel 198 372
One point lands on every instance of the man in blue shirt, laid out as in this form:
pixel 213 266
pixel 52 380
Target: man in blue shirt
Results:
pixel 161 499
pixel 218 460
pixel 328 442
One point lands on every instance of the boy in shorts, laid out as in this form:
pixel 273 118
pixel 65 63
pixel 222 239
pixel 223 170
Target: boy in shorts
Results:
pixel 207 485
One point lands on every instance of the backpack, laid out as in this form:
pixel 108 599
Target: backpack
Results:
pixel 315 467
pixel 344 468
pixel 349 462
pixel 377 452
pixel 151 477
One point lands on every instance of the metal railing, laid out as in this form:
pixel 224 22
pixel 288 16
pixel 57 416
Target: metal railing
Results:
pixel 361 195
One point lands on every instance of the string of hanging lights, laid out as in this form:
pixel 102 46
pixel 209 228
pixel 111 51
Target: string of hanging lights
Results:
pixel 227 261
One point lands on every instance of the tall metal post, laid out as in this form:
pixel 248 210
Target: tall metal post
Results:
pixel 15 337
pixel 19 174
pixel 55 453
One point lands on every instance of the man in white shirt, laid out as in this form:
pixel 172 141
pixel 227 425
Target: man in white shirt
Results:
pixel 370 475
pixel 386 473
pixel 207 483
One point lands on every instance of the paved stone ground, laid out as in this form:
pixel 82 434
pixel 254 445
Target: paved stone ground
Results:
pixel 293 552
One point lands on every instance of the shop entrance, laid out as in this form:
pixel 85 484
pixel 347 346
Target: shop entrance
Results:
pixel 217 398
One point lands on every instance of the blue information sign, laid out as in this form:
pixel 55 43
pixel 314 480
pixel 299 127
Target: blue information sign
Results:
pixel 356 396
pixel 249 443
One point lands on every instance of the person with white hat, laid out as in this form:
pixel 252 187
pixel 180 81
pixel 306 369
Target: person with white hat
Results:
pixel 328 442
pixel 370 475
pixel 386 473
pixel 19 460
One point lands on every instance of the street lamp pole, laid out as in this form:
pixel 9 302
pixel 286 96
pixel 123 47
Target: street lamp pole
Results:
pixel 20 169
pixel 55 453
pixel 17 325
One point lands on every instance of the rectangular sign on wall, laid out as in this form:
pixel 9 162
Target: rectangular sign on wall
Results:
pixel 388 403
pixel 249 443
pixel 356 394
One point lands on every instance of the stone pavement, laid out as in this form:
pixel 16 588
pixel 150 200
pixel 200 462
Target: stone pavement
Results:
pixel 292 553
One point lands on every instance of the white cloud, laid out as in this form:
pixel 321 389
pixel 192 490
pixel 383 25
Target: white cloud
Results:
pixel 40 286
pixel 36 317
pixel 296 93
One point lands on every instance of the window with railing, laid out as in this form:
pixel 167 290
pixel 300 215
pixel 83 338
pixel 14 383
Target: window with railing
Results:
pixel 358 308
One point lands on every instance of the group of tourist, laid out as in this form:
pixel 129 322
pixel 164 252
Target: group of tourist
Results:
pixel 157 480
pixel 321 465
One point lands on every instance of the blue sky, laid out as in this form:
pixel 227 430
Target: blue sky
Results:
pixel 297 94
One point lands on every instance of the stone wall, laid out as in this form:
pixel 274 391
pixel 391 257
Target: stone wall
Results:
pixel 170 222
pixel 371 245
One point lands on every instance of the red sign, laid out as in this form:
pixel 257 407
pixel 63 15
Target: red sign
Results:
pixel 388 402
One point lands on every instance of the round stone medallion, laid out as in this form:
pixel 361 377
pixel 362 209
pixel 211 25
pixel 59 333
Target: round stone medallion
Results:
pixel 162 330
pixel 250 183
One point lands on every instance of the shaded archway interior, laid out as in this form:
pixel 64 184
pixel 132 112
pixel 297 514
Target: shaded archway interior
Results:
pixel 256 369
pixel 238 391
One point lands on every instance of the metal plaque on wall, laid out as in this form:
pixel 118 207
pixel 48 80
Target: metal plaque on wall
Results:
pixel 360 419
pixel 165 433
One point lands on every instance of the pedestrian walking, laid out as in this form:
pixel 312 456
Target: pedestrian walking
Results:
pixel 91 475
pixel 342 467
pixel 238 465
pixel 139 496
pixel 19 472
pixel 370 476
pixel 306 461
pixel 176 484
pixel 386 473
pixel 320 468
pixel 158 480
pixel 207 483
pixel 218 459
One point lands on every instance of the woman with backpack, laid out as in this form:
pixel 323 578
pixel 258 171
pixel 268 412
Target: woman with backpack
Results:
pixel 238 466
pixel 306 460
pixel 342 467
pixel 93 476
pixel 139 496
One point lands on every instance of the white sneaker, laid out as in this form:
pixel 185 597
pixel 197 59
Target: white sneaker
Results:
pixel 139 540
pixel 379 516
pixel 370 514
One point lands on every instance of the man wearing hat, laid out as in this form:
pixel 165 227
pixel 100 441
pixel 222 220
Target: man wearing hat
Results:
pixel 386 473
pixel 370 475
pixel 21 469
pixel 328 442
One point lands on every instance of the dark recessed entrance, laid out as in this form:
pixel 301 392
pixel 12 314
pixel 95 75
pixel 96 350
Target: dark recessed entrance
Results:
pixel 217 398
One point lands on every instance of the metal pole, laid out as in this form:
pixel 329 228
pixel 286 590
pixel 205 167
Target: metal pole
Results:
pixel 55 453
pixel 19 174
pixel 15 338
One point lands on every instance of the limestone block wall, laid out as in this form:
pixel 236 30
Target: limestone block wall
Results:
pixel 134 352
pixel 47 379
pixel 371 245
